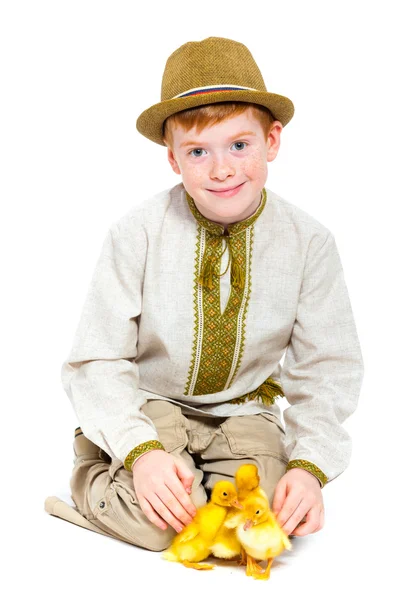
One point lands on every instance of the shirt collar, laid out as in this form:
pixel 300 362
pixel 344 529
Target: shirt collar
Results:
pixel 233 228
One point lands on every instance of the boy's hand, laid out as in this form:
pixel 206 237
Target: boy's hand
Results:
pixel 161 483
pixel 298 494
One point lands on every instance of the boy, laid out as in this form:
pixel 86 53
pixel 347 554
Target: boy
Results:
pixel 197 294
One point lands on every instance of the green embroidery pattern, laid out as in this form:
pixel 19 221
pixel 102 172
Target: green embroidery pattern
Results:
pixel 219 339
pixel 308 466
pixel 141 449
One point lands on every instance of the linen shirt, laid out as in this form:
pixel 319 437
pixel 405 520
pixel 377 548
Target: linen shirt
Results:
pixel 272 287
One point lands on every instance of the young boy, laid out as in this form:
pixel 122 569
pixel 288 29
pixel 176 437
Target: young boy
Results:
pixel 196 296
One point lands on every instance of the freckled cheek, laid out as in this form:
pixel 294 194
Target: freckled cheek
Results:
pixel 193 174
pixel 254 166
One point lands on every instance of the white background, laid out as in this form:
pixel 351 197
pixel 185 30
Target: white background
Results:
pixel 74 77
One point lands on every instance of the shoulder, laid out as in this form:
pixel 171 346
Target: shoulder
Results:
pixel 144 218
pixel 150 209
pixel 291 216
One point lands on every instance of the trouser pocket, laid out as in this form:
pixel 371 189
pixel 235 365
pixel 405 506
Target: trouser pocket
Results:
pixel 249 435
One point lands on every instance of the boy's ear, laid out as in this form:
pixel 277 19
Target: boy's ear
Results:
pixel 273 140
pixel 173 162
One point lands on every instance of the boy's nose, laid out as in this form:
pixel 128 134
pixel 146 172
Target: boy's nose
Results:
pixel 221 169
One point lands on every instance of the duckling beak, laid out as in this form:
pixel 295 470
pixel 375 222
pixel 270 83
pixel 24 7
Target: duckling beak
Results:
pixel 236 504
pixel 248 524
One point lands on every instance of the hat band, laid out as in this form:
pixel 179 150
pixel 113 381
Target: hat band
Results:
pixel 224 87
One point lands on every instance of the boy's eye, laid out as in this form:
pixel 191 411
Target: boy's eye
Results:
pixel 196 150
pixel 239 143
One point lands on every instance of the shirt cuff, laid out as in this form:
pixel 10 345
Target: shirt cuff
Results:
pixel 308 466
pixel 138 451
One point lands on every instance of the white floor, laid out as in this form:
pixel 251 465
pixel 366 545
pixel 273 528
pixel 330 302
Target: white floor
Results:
pixel 349 557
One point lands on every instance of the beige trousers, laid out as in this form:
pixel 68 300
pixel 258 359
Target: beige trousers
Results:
pixel 213 448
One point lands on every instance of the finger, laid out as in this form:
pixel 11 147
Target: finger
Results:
pixel 162 509
pixel 170 499
pixel 292 501
pixel 321 519
pixel 179 492
pixel 312 523
pixel 296 517
pixel 150 513
pixel 279 496
pixel 184 474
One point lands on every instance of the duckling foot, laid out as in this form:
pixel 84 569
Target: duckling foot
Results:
pixel 252 567
pixel 198 566
pixel 266 573
pixel 242 561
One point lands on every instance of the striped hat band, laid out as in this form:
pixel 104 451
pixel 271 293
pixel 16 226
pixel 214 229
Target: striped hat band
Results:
pixel 224 87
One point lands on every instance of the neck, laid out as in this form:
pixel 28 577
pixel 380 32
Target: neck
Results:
pixel 225 225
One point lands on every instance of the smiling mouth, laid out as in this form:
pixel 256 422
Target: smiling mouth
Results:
pixel 228 189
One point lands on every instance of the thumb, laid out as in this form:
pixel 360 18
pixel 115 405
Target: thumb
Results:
pixel 184 474
pixel 279 496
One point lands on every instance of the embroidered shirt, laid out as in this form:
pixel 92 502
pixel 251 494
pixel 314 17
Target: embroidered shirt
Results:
pixel 221 321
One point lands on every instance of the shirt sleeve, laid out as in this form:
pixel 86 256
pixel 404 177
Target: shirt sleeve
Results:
pixel 323 368
pixel 100 375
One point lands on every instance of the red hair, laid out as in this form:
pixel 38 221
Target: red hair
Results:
pixel 211 114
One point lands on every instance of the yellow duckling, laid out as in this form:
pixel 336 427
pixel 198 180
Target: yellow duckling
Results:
pixel 226 544
pixel 247 482
pixel 260 535
pixel 193 543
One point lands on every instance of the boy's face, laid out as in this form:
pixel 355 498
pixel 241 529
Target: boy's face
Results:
pixel 231 154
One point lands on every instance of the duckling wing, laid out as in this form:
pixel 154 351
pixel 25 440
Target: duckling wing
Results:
pixel 189 533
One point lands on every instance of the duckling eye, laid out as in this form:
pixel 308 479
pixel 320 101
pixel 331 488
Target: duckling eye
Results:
pixel 257 512
pixel 224 494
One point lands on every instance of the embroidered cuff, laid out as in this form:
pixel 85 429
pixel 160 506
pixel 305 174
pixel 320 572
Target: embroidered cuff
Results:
pixel 308 466
pixel 141 449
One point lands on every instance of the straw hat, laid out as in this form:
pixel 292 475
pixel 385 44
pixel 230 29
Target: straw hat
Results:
pixel 212 70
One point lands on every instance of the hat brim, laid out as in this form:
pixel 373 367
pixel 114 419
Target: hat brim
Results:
pixel 150 122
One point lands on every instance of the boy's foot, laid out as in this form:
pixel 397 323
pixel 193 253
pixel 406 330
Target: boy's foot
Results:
pixel 58 508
